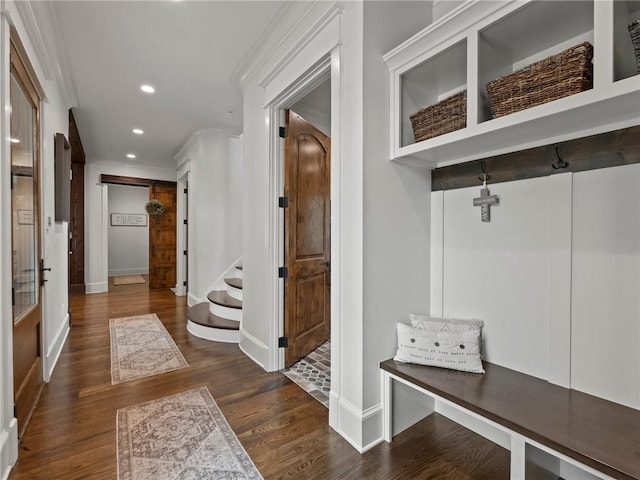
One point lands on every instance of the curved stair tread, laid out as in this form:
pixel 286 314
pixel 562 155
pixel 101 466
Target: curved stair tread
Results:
pixel 201 315
pixel 234 282
pixel 221 297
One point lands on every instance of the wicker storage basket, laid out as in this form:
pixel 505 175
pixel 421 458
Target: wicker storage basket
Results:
pixel 634 30
pixel 446 116
pixel 561 75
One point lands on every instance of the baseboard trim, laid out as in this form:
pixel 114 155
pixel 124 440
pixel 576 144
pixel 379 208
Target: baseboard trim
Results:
pixel 99 287
pixel 129 271
pixel 8 448
pixel 213 334
pixel 254 348
pixel 77 289
pixel 192 300
pixel 54 351
pixel 361 428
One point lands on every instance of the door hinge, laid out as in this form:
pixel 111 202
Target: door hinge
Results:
pixel 185 190
pixel 184 252
pixel 184 221
pixel 283 342
pixel 283 202
pixel 15 411
pixel 184 284
pixel 13 296
pixel 283 272
pixel 283 132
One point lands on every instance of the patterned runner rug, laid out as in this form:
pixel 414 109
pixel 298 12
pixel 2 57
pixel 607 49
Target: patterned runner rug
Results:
pixel 141 347
pixel 182 436
pixel 127 279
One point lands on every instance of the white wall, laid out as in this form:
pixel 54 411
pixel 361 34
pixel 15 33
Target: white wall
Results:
pixel 396 200
pixel 96 200
pixel 128 245
pixel 315 107
pixel 54 119
pixel 365 187
pixel 215 207
pixel 605 326
pixel 555 276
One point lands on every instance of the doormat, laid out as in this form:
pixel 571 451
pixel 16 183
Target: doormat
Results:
pixel 127 279
pixel 182 436
pixel 141 347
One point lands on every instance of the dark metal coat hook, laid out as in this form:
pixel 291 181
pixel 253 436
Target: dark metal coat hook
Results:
pixel 560 163
pixel 484 176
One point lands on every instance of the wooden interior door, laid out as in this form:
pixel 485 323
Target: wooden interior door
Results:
pixel 76 218
pixel 162 238
pixel 27 267
pixel 307 238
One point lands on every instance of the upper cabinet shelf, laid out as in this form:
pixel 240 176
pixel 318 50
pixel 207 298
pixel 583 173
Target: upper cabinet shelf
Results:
pixel 481 41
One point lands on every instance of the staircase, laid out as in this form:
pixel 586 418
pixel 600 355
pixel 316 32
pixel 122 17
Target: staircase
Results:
pixel 219 319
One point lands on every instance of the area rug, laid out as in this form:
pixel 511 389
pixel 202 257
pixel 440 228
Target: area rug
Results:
pixel 182 436
pixel 127 279
pixel 141 347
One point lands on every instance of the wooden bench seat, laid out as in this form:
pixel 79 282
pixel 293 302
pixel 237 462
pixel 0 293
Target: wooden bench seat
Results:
pixel 597 433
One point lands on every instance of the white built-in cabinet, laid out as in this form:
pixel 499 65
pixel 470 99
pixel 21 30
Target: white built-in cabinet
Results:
pixel 484 40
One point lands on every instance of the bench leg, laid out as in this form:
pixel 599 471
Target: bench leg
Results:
pixel 517 457
pixel 387 405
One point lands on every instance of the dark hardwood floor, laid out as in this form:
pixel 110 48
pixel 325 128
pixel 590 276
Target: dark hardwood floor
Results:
pixel 72 434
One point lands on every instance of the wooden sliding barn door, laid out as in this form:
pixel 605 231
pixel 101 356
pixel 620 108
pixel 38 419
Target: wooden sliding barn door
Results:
pixel 162 239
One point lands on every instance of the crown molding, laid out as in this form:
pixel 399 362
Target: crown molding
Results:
pixel 41 27
pixel 179 152
pixel 321 20
pixel 262 51
pixel 252 56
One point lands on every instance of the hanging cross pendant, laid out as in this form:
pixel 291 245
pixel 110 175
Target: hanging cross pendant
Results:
pixel 484 201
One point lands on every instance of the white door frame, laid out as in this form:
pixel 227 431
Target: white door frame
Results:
pixel 326 68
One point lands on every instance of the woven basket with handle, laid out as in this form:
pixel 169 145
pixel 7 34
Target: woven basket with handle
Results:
pixel 634 30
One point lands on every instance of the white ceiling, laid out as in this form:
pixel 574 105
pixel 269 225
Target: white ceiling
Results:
pixel 188 50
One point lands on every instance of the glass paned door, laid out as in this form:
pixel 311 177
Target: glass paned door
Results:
pixel 23 202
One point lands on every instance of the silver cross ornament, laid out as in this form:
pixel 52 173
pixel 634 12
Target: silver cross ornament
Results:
pixel 484 201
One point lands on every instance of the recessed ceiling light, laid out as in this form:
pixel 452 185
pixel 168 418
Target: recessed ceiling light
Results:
pixel 147 88
pixel 138 131
pixel 15 140
pixel 131 155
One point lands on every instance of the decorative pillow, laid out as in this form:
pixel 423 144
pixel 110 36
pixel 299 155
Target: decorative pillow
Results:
pixel 444 324
pixel 441 343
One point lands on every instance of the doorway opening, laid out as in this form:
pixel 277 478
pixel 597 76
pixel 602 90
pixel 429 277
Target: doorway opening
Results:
pixel 128 236
pixel 162 226
pixel 306 238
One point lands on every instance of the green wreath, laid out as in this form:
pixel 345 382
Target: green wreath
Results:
pixel 155 208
